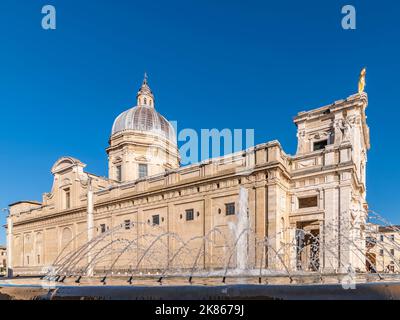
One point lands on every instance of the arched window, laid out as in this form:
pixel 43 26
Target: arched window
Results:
pixel 67 198
pixel 118 169
pixel 119 172
pixel 143 170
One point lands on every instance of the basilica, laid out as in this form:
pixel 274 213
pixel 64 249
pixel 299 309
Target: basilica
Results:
pixel 321 190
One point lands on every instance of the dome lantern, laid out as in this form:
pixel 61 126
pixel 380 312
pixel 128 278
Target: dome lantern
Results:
pixel 145 96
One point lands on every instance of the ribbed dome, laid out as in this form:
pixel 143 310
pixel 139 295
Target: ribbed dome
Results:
pixel 145 119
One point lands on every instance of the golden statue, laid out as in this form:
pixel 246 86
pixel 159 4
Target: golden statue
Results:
pixel 361 81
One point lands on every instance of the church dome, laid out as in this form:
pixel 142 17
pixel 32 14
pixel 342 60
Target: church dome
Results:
pixel 144 117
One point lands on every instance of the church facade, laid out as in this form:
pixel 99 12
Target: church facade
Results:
pixel 321 190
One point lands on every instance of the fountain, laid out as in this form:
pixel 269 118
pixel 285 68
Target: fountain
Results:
pixel 123 257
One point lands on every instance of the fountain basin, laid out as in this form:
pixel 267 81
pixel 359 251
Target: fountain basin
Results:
pixel 203 289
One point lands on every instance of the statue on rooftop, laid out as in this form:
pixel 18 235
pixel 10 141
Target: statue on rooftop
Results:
pixel 361 81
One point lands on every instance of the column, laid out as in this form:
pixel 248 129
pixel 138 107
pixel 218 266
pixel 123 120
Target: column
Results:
pixel 90 223
pixel 207 226
pixel 259 225
pixel 293 247
pixel 330 233
pixel 271 227
pixel 9 246
pixel 347 248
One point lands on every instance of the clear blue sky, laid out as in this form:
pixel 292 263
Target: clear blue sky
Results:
pixel 251 64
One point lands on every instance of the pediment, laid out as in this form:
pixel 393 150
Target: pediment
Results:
pixel 66 163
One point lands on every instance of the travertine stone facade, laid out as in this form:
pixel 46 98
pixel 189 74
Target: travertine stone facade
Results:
pixel 321 189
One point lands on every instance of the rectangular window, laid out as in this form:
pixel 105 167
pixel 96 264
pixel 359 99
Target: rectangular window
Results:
pixel 381 252
pixel 319 145
pixel 38 259
pixel 230 209
pixel 127 224
pixel 119 172
pixel 67 198
pixel 392 237
pixel 308 202
pixel 382 237
pixel 392 252
pixel 102 228
pixel 156 219
pixel 189 214
pixel 142 170
pixel 370 241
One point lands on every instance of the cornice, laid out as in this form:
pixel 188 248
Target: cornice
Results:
pixel 355 100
